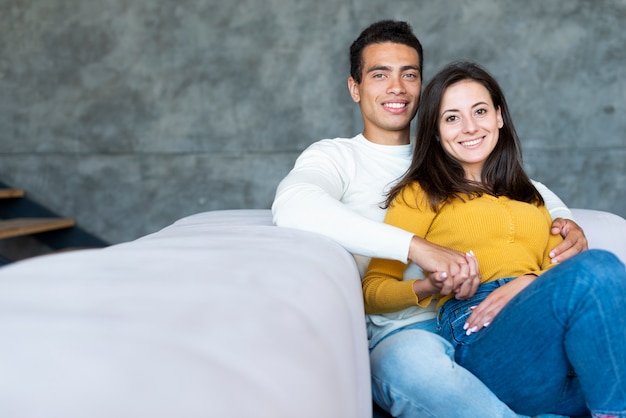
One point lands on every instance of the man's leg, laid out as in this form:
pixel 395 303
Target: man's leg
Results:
pixel 414 375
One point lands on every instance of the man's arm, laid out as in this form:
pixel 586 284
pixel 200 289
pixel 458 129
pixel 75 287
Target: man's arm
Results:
pixel 574 240
pixel 555 206
pixel 309 198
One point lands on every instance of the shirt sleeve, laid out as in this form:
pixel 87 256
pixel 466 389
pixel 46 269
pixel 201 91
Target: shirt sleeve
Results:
pixel 309 198
pixel 555 206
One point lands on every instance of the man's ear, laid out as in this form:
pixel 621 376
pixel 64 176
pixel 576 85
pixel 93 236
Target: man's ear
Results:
pixel 353 86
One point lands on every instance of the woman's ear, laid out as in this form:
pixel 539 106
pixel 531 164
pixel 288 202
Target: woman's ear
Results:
pixel 353 87
pixel 499 118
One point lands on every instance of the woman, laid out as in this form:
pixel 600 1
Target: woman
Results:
pixel 542 337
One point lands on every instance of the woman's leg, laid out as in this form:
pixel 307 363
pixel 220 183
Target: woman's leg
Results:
pixel 570 319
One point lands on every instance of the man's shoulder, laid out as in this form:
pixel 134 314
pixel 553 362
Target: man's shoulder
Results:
pixel 335 143
pixel 333 147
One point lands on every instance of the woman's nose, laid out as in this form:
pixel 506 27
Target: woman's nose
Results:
pixel 469 125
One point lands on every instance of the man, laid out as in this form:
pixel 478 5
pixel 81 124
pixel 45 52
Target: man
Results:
pixel 336 188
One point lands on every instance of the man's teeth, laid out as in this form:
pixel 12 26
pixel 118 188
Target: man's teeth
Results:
pixel 395 105
pixel 470 143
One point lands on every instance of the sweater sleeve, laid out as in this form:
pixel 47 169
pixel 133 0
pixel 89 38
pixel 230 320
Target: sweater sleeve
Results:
pixel 555 206
pixel 309 198
pixel 384 286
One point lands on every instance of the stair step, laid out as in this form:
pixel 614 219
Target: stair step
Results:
pixel 25 226
pixel 11 193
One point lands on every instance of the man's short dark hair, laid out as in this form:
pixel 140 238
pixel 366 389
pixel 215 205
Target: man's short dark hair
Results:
pixel 382 31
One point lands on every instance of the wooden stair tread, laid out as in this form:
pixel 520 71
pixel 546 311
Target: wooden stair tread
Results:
pixel 11 193
pixel 25 226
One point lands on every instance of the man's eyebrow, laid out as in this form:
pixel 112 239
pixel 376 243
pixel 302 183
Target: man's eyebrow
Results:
pixel 411 67
pixel 378 68
pixel 388 68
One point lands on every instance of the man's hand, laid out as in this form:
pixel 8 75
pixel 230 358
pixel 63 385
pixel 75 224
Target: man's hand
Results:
pixel 574 240
pixel 451 271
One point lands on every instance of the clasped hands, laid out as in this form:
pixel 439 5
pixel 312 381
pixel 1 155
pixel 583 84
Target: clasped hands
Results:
pixel 461 278
pixel 452 272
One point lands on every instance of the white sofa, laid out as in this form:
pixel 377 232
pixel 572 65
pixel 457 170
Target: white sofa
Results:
pixel 220 314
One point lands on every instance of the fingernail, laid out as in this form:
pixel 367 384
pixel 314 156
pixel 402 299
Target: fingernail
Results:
pixel 471 253
pixel 471 330
pixel 486 324
pixel 444 275
pixel 466 326
pixel 473 307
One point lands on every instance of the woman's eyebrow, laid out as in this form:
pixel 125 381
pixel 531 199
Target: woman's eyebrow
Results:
pixel 456 110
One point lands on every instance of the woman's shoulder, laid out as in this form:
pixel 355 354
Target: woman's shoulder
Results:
pixel 412 195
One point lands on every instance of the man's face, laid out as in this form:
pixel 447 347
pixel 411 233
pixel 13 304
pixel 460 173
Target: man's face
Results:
pixel 389 91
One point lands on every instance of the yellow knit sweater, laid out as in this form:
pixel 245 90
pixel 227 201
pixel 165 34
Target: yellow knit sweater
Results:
pixel 509 238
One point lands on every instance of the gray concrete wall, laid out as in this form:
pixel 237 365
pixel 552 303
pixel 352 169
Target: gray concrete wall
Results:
pixel 129 114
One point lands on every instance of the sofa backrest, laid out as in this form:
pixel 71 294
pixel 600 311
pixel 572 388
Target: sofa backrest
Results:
pixel 604 230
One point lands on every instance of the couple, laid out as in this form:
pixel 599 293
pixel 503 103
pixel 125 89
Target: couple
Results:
pixel 336 188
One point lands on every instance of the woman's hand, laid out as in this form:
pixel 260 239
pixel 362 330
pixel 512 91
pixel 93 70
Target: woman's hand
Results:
pixel 486 311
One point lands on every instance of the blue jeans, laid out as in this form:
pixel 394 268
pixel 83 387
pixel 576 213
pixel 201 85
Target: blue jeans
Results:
pixel 560 345
pixel 414 375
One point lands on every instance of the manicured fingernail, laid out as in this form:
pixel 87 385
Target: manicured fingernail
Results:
pixel 471 253
pixel 444 275
pixel 473 307
pixel 466 326
pixel 486 324
pixel 471 330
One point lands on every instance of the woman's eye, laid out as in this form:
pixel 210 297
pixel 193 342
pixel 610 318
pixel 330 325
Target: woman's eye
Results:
pixel 481 111
pixel 451 118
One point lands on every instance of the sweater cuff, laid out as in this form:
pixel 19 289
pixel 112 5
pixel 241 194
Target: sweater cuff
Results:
pixel 424 302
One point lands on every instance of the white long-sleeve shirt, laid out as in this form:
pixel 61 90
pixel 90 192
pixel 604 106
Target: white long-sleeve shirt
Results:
pixel 337 188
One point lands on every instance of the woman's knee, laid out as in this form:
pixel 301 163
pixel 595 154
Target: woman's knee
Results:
pixel 603 268
pixel 592 268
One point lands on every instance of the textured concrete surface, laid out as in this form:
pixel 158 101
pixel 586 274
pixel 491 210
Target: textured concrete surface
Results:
pixel 129 114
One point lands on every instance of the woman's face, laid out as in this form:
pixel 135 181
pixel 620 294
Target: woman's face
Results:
pixel 469 125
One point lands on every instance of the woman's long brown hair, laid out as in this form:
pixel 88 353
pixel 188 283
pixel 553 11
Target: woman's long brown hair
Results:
pixel 442 177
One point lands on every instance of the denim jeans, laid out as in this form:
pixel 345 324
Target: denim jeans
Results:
pixel 560 345
pixel 414 375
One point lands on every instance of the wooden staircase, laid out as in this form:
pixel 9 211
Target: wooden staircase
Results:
pixel 22 217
